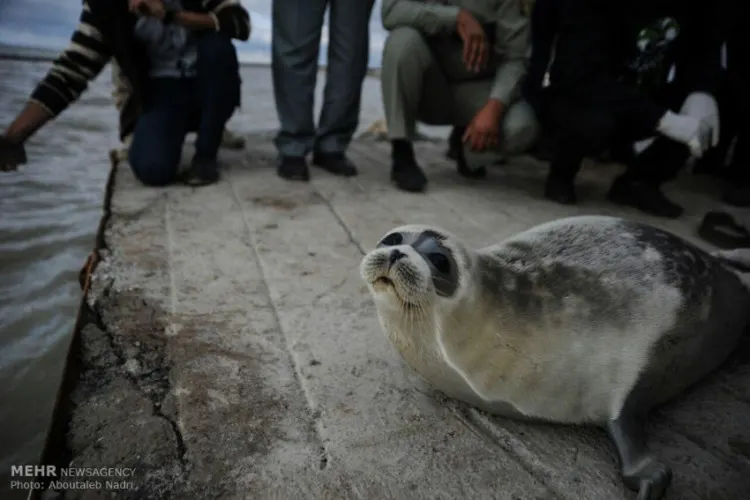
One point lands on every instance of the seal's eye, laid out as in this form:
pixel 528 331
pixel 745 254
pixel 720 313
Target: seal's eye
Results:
pixel 392 239
pixel 440 262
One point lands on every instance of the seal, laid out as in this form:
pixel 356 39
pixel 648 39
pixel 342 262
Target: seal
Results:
pixel 583 320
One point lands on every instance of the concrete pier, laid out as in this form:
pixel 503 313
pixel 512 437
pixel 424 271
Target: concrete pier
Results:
pixel 232 350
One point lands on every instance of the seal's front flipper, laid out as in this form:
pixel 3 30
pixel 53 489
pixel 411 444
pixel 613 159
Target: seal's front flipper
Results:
pixel 641 470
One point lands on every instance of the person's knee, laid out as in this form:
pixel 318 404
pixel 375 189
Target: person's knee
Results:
pixel 151 166
pixel 404 45
pixel 217 54
pixel 520 131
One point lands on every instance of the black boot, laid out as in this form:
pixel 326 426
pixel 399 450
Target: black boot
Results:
pixel 644 196
pixel 563 169
pixel 560 189
pixel 202 172
pixel 293 168
pixel 454 143
pixel 405 171
pixel 335 163
pixel 457 145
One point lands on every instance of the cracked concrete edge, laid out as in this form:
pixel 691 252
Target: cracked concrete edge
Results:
pixel 114 405
pixel 55 451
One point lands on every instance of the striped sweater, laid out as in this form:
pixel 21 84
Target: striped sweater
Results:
pixel 105 31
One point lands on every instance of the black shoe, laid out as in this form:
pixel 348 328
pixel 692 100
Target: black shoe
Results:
pixel 456 152
pixel 454 143
pixel 645 197
pixel 465 171
pixel 562 191
pixel 408 176
pixel 405 172
pixel 202 172
pixel 335 163
pixel 293 168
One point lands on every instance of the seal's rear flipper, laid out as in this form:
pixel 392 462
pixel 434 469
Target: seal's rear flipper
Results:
pixel 737 258
pixel 641 470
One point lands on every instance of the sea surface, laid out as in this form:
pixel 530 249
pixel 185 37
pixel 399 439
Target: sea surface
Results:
pixel 49 212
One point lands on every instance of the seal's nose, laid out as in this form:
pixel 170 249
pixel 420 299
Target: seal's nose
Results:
pixel 395 256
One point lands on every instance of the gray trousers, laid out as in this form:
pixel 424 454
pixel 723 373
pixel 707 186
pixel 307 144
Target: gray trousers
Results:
pixel 428 83
pixel 295 45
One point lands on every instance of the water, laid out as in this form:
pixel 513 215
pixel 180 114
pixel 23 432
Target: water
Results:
pixel 49 212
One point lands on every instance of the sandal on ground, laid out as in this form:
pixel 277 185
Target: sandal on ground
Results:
pixel 721 229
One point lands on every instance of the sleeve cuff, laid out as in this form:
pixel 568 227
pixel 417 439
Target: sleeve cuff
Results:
pixel 49 98
pixel 446 15
pixel 215 19
pixel 43 106
pixel 504 92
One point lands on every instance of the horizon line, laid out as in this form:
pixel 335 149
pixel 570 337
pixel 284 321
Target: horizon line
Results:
pixel 45 54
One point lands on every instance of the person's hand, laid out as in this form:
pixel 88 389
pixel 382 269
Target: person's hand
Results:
pixel 476 51
pixel 704 107
pixel 693 132
pixel 150 8
pixel 484 130
pixel 12 154
pixel 137 6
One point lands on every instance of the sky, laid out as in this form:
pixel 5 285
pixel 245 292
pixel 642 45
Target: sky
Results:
pixel 48 24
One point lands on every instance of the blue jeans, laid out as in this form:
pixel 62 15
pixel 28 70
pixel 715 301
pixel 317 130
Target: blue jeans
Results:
pixel 175 106
pixel 295 45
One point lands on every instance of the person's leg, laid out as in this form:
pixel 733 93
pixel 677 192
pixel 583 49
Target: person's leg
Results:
pixel 411 83
pixel 348 53
pixel 520 129
pixel 661 160
pixel 454 142
pixel 576 133
pixel 737 190
pixel 640 185
pixel 231 140
pixel 160 131
pixel 567 159
pixel 217 87
pixel 295 45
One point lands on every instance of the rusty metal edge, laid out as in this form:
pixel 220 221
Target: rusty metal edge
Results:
pixel 55 450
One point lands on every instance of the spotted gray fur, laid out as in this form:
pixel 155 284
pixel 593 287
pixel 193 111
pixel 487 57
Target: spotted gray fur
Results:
pixel 581 320
pixel 601 281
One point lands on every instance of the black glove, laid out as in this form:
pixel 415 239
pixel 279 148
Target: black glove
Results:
pixel 12 154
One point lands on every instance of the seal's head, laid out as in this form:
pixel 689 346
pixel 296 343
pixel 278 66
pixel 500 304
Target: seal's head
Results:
pixel 414 267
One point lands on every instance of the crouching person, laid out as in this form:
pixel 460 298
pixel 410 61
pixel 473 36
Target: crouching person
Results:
pixel 610 89
pixel 459 63
pixel 182 67
pixel 193 84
